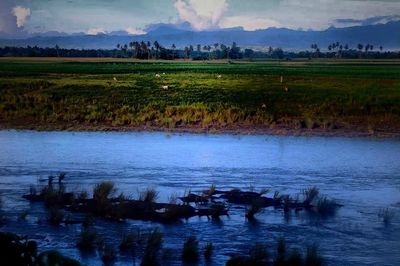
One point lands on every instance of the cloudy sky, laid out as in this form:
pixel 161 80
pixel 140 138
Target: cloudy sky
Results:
pixel 94 16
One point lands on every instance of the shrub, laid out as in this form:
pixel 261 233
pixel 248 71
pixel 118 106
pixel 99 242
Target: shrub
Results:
pixel 190 251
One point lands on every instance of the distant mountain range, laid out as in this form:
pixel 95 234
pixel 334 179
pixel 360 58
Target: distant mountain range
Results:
pixel 387 35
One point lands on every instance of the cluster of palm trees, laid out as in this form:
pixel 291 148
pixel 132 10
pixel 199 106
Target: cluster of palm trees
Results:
pixel 148 50
pixel 143 50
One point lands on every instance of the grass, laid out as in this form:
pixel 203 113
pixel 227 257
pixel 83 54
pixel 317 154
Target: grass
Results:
pixel 53 94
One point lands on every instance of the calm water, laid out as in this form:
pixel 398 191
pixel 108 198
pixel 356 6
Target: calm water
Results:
pixel 362 174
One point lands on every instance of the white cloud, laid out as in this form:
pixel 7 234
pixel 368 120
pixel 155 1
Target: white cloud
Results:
pixel 95 31
pixel 201 14
pixel 249 23
pixel 135 31
pixel 22 15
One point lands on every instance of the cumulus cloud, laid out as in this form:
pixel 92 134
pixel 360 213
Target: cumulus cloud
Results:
pixel 95 31
pixel 249 23
pixel 22 14
pixel 135 31
pixel 201 14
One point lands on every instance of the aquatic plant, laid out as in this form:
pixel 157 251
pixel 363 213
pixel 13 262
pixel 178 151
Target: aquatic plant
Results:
pixel 61 177
pixel 310 195
pixel 87 239
pixel 55 216
pixel 128 242
pixel 280 258
pixel 326 206
pixel 16 250
pixel 103 191
pixel 253 209
pixel 190 252
pixel 53 257
pixel 210 191
pixel 208 251
pixel 295 258
pixel 107 254
pixel 22 216
pixel 152 249
pixel 386 215
pixel 149 195
pixel 258 253
pixel 312 257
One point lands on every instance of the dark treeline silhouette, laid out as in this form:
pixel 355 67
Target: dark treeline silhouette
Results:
pixel 147 50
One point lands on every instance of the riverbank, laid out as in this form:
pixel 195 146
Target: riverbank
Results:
pixel 240 130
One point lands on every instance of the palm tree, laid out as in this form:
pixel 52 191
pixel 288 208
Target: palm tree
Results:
pixel 173 51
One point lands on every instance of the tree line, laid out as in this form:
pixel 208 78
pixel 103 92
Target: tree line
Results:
pixel 148 50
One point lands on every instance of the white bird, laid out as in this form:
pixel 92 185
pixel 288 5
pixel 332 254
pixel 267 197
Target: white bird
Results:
pixel 163 73
pixel 165 87
pixel 115 79
pixel 158 76
pixel 219 76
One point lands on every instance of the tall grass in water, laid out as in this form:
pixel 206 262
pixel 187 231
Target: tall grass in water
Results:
pixel 190 252
pixel 208 251
pixel 101 194
pixel 386 215
pixel 149 195
pixel 326 206
pixel 310 195
pixel 152 249
pixel 87 239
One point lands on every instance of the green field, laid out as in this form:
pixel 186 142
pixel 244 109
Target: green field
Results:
pixel 361 97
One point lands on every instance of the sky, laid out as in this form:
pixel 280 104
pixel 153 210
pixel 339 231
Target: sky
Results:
pixel 133 16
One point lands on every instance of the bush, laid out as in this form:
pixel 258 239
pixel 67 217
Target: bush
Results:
pixel 190 251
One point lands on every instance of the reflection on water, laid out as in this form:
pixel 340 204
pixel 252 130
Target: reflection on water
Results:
pixel 362 174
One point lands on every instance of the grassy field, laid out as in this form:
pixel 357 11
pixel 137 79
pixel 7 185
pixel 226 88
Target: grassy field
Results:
pixel 322 97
